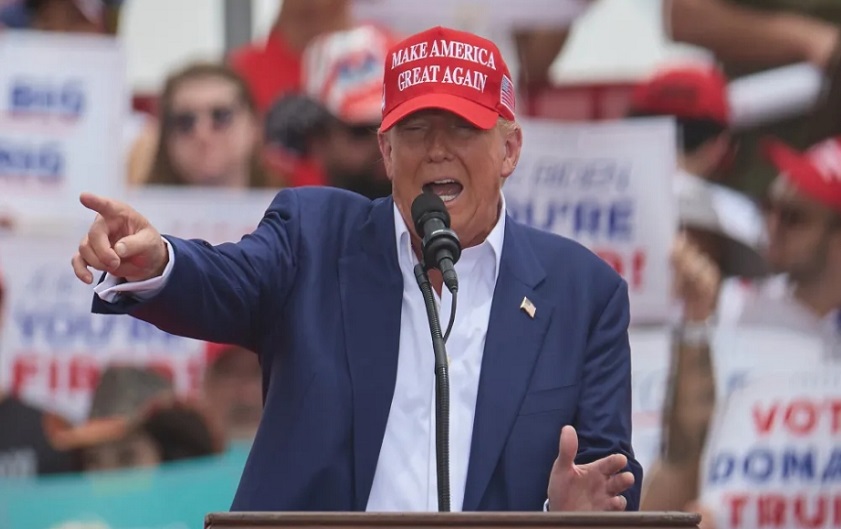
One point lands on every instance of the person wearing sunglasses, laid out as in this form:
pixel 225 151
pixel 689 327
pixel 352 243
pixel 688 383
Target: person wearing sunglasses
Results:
pixel 803 251
pixel 803 216
pixel 209 132
pixel 333 123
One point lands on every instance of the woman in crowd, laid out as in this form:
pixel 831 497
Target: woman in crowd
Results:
pixel 209 132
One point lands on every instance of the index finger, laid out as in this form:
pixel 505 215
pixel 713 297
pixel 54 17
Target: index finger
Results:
pixel 104 206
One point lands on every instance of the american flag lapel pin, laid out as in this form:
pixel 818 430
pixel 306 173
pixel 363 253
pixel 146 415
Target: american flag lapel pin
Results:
pixel 529 308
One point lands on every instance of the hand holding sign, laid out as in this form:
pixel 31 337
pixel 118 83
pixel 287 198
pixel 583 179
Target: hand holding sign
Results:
pixel 696 279
pixel 595 486
pixel 120 241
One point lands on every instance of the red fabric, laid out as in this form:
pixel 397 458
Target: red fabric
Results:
pixel 816 173
pixel 451 70
pixel 271 69
pixel 695 92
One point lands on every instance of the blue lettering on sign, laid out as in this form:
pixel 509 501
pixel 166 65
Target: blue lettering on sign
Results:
pixel 762 465
pixel 832 472
pixel 722 468
pixel 798 465
pixel 610 221
pixel 45 162
pixel 587 175
pixel 758 465
pixel 60 328
pixel 65 100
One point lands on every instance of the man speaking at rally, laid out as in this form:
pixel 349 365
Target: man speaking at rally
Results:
pixel 325 291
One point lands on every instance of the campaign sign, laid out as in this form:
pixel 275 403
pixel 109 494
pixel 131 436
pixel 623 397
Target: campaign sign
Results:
pixel 52 349
pixel 650 357
pixel 215 215
pixel 738 354
pixel 608 186
pixel 773 458
pixel 741 352
pixel 63 103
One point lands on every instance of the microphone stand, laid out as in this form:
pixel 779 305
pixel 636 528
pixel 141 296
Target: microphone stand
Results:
pixel 442 391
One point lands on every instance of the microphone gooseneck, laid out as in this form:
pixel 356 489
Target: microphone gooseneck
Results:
pixel 441 250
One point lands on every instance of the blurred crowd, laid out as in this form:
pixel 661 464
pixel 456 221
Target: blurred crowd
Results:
pixel 759 209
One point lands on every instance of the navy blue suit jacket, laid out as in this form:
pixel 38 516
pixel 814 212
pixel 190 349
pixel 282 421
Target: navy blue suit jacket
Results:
pixel 316 291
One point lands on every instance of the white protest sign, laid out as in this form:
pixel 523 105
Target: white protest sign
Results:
pixel 608 186
pixel 215 215
pixel 650 357
pixel 52 348
pixel 737 353
pixel 741 352
pixel 773 459
pixel 63 104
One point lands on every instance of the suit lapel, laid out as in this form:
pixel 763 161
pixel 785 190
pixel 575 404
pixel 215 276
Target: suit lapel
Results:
pixel 513 343
pixel 371 292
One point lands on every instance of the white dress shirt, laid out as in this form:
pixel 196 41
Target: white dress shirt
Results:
pixel 405 478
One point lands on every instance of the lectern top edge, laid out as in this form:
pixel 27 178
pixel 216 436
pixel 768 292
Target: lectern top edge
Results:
pixel 357 520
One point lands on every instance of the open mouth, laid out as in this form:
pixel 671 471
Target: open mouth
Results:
pixel 447 189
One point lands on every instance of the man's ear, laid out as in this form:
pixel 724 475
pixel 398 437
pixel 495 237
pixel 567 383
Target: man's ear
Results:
pixel 512 145
pixel 384 141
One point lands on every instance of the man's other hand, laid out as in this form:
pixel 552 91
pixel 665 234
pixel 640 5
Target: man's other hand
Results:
pixel 120 241
pixel 594 486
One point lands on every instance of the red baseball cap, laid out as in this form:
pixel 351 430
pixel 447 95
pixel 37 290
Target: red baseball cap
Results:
pixel 344 72
pixel 449 70
pixel 816 173
pixel 694 92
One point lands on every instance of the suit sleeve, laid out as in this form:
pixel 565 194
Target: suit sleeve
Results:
pixel 603 421
pixel 225 293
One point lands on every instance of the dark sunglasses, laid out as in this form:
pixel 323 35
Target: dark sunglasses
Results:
pixel 787 215
pixel 185 122
pixel 792 216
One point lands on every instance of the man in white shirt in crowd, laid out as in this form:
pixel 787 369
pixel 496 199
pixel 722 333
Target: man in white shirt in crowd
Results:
pixel 804 248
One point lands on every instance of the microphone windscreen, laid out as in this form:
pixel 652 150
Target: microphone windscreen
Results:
pixel 428 205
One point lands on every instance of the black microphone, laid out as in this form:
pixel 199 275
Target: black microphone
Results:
pixel 440 245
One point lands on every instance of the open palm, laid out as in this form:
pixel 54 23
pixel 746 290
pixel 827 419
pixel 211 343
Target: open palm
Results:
pixel 594 486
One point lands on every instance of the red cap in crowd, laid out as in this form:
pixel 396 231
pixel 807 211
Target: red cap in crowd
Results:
pixel 691 92
pixel 816 173
pixel 343 71
pixel 449 70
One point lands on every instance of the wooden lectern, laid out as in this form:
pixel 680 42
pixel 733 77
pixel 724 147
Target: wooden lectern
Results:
pixel 622 520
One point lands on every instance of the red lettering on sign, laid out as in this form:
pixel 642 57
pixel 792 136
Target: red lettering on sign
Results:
pixel 23 369
pixel 799 417
pixel 802 516
pixel 79 373
pixel 52 369
pixel 771 510
pixel 784 511
pixel 639 268
pixel 763 420
pixel 737 507
pixel 836 512
pixel 84 373
pixel 835 409
pixel 631 268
